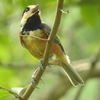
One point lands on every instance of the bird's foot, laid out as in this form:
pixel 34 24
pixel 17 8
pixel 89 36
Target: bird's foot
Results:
pixel 41 66
pixel 33 81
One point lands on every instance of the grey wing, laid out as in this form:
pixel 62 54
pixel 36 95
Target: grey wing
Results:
pixel 56 40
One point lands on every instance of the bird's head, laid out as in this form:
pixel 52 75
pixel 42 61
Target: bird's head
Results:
pixel 29 11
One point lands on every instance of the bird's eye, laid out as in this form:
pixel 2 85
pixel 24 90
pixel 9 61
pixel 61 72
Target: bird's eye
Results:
pixel 27 9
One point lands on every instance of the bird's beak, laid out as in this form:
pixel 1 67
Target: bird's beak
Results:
pixel 36 9
pixel 37 6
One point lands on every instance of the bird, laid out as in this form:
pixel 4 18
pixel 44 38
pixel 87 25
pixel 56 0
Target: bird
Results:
pixel 34 35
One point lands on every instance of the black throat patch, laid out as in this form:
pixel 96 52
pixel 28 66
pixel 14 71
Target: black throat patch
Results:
pixel 32 23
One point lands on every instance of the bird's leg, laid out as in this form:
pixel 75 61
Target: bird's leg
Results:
pixel 41 66
pixel 33 79
pixel 34 84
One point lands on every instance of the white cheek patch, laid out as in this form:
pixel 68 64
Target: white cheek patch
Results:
pixel 21 28
pixel 25 17
pixel 23 21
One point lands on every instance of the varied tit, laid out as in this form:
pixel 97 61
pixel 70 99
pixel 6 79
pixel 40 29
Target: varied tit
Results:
pixel 33 37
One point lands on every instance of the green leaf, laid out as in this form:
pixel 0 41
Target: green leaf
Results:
pixel 26 86
pixel 17 89
pixel 90 14
pixel 3 93
pixel 20 90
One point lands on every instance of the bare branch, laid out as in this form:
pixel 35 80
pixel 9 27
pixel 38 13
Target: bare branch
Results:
pixel 64 84
pixel 82 66
pixel 13 93
pixel 35 37
pixel 93 64
pixel 47 50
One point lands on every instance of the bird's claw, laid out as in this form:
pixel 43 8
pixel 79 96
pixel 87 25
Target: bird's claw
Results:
pixel 34 84
pixel 41 66
pixel 42 81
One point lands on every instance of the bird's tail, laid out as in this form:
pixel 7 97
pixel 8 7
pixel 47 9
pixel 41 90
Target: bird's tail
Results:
pixel 72 74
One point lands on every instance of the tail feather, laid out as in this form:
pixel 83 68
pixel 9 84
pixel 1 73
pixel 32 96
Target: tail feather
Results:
pixel 73 76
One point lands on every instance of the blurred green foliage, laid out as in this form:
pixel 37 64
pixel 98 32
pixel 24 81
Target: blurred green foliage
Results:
pixel 79 32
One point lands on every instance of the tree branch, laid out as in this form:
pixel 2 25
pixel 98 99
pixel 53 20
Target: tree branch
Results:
pixel 64 85
pixel 47 50
pixel 92 65
pixel 82 66
pixel 14 94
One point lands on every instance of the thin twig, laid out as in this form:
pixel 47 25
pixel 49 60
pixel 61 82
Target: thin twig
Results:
pixel 47 50
pixel 53 31
pixel 13 93
pixel 35 37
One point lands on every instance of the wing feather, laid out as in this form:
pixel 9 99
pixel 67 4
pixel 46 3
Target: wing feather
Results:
pixel 56 40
